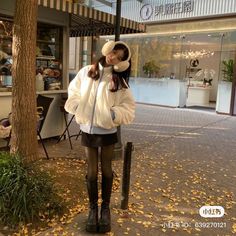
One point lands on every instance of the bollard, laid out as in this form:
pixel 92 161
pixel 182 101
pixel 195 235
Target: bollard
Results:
pixel 126 175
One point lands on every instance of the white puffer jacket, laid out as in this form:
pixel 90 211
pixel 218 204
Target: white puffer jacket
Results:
pixel 92 102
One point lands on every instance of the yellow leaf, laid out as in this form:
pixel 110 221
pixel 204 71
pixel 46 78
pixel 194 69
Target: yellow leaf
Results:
pixel 234 228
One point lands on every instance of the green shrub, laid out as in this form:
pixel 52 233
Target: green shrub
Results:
pixel 25 193
pixel 150 68
pixel 228 70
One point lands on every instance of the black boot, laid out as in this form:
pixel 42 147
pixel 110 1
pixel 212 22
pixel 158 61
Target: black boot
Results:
pixel 105 220
pixel 92 222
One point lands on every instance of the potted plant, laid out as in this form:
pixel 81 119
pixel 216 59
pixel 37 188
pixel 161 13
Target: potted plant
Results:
pixel 225 88
pixel 150 68
pixel 228 70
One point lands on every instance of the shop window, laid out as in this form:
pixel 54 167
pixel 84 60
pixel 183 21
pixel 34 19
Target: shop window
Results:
pixel 228 52
pixel 152 56
pixel 5 54
pixel 48 54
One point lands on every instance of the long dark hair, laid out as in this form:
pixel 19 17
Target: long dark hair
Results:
pixel 120 79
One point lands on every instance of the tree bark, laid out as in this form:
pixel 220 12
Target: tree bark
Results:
pixel 24 120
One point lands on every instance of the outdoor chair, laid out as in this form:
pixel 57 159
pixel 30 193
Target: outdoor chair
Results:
pixel 5 132
pixel 66 130
pixel 43 104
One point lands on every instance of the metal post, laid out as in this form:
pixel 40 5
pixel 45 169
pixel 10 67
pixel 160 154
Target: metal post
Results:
pixel 118 145
pixel 126 175
pixel 118 16
pixel 232 99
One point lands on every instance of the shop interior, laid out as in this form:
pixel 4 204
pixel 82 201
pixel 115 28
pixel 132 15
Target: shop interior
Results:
pixel 201 59
pixel 48 69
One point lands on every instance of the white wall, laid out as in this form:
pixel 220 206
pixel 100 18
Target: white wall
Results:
pixel 201 8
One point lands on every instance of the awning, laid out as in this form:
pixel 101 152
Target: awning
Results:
pixel 85 21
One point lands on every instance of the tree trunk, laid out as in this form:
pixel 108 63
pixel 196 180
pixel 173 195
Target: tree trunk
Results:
pixel 24 134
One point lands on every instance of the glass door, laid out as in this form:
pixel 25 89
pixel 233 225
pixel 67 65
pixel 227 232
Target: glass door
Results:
pixel 200 57
pixel 227 65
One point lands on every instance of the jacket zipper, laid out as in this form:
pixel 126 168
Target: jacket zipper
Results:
pixel 94 104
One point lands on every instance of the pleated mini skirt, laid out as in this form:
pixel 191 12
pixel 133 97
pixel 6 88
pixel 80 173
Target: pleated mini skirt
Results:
pixel 98 140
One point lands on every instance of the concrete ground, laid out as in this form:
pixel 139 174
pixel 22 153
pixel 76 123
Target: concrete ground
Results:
pixel 183 159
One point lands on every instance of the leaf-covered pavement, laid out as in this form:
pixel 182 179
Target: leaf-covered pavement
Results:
pixel 180 163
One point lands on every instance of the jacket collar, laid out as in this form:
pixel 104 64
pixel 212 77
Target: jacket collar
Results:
pixel 105 69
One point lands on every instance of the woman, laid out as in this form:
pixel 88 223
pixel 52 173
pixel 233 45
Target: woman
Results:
pixel 101 100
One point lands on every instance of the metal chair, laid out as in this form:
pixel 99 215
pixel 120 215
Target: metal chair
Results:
pixel 66 130
pixel 44 104
pixel 5 133
pixel 6 123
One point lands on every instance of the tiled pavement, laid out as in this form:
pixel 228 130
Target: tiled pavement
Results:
pixel 183 159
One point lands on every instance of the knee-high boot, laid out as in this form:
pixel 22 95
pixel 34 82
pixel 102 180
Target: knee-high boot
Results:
pixel 92 222
pixel 105 219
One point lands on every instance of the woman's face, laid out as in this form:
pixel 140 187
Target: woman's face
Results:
pixel 114 57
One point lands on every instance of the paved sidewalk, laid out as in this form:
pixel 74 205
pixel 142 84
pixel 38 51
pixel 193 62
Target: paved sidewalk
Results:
pixel 183 159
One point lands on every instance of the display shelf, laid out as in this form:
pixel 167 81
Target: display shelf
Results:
pixel 60 91
pixel 46 41
pixel 45 58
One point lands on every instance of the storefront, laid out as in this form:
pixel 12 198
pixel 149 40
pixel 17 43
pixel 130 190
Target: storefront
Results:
pixel 193 41
pixel 57 21
pixel 51 62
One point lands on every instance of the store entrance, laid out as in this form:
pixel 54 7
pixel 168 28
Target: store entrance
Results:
pixel 200 65
pixel 190 70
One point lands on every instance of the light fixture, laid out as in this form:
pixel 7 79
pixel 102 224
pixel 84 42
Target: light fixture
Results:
pixel 193 54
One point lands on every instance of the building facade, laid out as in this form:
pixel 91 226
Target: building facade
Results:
pixel 57 21
pixel 189 40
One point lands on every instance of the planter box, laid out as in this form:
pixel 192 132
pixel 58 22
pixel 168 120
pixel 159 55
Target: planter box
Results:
pixel 223 97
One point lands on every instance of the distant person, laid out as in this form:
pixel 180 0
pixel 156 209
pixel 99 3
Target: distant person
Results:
pixel 172 75
pixel 101 100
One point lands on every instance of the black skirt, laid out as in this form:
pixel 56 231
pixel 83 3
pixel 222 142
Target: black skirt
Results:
pixel 98 140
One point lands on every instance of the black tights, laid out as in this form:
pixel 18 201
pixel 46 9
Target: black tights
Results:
pixel 107 153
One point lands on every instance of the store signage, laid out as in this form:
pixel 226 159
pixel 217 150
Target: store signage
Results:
pixel 148 10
